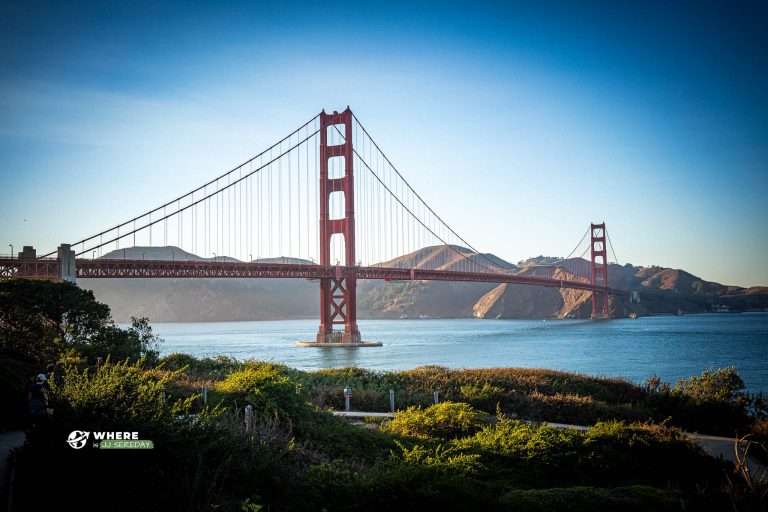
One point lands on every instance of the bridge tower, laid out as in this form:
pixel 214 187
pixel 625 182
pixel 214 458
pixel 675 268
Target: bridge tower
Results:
pixel 598 250
pixel 338 295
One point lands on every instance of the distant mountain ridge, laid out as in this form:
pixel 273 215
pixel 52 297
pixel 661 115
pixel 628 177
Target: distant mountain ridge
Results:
pixel 662 290
pixel 171 253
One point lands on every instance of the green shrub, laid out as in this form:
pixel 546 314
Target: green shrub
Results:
pixel 485 397
pixel 443 421
pixel 267 389
pixel 712 402
pixel 586 499
pixel 206 368
pixel 275 396
pixel 117 394
pixel 443 458
pixel 608 453
pixel 135 342
pixel 526 441
pixel 336 438
pixel 723 385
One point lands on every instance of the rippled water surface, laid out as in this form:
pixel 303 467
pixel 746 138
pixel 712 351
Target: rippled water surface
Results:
pixel 670 346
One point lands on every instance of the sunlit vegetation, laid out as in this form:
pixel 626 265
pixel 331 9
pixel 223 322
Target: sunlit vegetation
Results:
pixel 481 448
pixel 298 457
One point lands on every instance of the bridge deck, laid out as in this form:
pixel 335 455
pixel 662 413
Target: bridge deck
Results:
pixel 120 268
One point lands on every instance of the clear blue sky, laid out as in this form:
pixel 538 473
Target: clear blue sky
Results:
pixel 519 124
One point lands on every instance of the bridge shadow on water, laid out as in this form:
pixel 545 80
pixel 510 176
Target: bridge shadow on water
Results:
pixel 337 357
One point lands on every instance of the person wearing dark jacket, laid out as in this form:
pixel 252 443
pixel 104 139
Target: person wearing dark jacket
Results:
pixel 38 398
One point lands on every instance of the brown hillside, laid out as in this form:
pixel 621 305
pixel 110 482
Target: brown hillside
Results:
pixel 662 290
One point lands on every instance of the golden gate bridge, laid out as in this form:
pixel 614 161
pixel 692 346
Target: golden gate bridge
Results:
pixel 332 206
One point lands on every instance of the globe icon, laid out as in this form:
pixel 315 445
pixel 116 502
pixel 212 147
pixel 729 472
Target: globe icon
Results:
pixel 77 439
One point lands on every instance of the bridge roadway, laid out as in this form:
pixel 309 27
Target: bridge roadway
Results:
pixel 123 269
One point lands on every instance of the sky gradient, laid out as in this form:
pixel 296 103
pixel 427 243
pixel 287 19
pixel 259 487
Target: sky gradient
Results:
pixel 519 124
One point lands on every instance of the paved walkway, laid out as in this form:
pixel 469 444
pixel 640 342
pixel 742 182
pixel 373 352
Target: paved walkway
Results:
pixel 725 447
pixel 357 414
pixel 8 441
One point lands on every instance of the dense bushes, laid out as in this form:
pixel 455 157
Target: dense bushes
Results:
pixel 197 462
pixel 449 456
pixel 443 421
pixel 530 454
pixel 263 386
pixel 542 395
pixel 279 400
pixel 713 402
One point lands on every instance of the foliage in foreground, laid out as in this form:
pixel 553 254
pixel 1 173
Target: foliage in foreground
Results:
pixel 198 463
pixel 299 458
pixel 296 457
pixel 43 322
pixel 713 402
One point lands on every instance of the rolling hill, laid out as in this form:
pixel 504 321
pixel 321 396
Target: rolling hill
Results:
pixel 661 290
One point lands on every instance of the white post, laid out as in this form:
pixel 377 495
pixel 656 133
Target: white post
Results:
pixel 347 396
pixel 248 417
pixel 437 399
pixel 205 395
pixel 392 400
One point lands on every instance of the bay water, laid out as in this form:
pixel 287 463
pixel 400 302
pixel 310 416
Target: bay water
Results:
pixel 672 347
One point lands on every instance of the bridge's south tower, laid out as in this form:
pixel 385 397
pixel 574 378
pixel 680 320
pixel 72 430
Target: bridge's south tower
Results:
pixel 337 294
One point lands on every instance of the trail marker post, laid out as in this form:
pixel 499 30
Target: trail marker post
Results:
pixel 248 418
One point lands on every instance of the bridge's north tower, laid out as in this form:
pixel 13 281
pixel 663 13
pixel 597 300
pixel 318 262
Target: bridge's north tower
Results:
pixel 598 250
pixel 337 294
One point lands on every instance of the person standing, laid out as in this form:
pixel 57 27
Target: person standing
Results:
pixel 38 398
pixel 52 375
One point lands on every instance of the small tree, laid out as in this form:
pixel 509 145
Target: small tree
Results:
pixel 132 343
pixel 723 385
pixel 41 321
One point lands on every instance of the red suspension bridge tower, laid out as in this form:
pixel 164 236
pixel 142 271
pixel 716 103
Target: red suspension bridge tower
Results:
pixel 598 251
pixel 338 295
